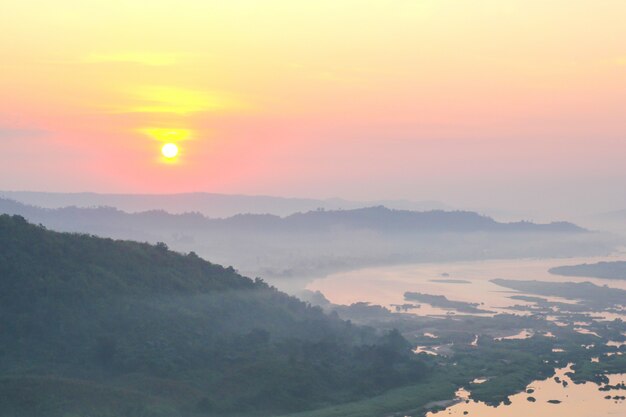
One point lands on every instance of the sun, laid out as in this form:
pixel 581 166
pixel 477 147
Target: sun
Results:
pixel 169 150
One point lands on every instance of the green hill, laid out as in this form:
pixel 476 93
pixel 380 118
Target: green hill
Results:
pixel 96 327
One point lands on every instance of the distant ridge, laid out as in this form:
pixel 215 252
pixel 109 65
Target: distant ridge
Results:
pixel 379 219
pixel 209 204
pixel 318 242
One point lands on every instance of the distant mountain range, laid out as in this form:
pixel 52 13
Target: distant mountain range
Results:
pixel 315 243
pixel 379 219
pixel 209 204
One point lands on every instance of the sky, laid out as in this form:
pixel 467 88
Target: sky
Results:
pixel 517 105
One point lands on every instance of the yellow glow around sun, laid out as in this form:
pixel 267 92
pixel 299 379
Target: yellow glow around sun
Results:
pixel 167 135
pixel 169 139
pixel 166 99
pixel 169 150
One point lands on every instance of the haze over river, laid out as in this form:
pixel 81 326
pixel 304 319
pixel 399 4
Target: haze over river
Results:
pixel 386 285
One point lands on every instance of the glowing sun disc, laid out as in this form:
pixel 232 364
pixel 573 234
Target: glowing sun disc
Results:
pixel 169 150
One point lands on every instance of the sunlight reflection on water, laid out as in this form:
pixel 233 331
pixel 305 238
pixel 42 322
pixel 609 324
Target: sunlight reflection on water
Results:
pixel 576 400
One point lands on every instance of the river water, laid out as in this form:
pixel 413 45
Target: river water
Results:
pixel 386 286
pixel 582 400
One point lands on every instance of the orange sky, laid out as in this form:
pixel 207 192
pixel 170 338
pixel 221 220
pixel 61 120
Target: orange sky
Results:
pixel 480 103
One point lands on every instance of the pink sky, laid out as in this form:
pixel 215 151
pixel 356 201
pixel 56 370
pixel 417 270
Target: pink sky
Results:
pixel 506 104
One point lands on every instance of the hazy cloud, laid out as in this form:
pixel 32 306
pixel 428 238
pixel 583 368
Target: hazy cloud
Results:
pixel 156 59
pixel 166 99
pixel 7 133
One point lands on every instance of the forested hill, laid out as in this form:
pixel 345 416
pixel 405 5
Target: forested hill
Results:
pixel 90 266
pixel 98 327
pixel 34 260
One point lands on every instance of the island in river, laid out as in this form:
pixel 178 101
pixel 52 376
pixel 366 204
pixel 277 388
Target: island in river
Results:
pixel 606 270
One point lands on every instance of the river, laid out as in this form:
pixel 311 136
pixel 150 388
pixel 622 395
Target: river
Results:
pixel 470 282
pixel 386 285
